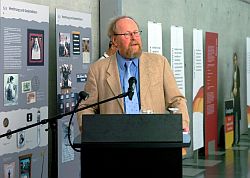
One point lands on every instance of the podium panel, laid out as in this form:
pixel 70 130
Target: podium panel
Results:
pixel 119 146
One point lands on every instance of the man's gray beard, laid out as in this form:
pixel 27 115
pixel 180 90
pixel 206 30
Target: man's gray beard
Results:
pixel 131 55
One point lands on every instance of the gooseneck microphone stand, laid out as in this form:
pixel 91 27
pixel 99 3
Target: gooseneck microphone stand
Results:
pixel 53 123
pixel 53 119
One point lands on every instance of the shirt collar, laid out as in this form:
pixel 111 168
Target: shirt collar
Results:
pixel 105 55
pixel 121 61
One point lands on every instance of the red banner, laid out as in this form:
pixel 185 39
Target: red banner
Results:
pixel 229 123
pixel 211 115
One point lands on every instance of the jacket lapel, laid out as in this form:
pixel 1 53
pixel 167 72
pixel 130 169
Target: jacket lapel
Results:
pixel 113 79
pixel 145 73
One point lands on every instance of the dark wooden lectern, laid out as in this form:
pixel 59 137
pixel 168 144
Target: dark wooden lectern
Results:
pixel 119 146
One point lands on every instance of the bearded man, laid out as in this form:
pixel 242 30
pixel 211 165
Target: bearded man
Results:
pixel 156 89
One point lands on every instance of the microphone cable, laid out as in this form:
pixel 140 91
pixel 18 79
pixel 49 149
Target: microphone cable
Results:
pixel 82 96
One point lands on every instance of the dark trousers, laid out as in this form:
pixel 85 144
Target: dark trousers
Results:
pixel 236 129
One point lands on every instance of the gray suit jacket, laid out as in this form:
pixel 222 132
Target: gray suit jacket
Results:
pixel 158 88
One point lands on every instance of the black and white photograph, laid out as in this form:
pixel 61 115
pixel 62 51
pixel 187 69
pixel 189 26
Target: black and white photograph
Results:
pixel 65 71
pixel 20 139
pixel 10 89
pixel 9 170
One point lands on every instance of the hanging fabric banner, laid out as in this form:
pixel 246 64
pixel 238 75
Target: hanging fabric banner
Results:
pixel 154 37
pixel 198 87
pixel 177 57
pixel 210 90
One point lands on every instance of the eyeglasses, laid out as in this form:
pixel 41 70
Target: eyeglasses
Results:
pixel 129 34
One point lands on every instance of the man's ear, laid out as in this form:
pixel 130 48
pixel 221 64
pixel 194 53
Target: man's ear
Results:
pixel 114 43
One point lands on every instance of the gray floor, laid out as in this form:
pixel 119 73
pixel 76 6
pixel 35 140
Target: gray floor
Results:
pixel 230 163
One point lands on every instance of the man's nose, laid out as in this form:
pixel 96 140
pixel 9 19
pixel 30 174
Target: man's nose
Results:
pixel 132 35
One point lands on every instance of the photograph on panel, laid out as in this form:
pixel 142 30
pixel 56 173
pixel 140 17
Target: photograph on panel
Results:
pixel 35 47
pixel 10 89
pixel 9 170
pixel 64 45
pixel 20 139
pixel 26 86
pixel 25 166
pixel 85 50
pixel 65 71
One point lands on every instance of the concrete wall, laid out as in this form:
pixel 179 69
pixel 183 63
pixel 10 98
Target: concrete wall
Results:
pixel 108 8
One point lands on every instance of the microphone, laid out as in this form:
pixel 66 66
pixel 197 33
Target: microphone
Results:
pixel 132 84
pixel 83 95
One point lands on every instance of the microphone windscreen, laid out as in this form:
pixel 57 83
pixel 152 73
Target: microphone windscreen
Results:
pixel 131 81
pixel 83 95
pixel 132 84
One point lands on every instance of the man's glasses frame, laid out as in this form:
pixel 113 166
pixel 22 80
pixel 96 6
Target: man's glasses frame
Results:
pixel 129 34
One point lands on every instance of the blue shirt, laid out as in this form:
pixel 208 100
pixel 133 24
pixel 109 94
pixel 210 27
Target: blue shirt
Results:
pixel 134 69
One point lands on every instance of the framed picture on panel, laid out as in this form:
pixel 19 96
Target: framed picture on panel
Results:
pixel 35 46
pixel 25 166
